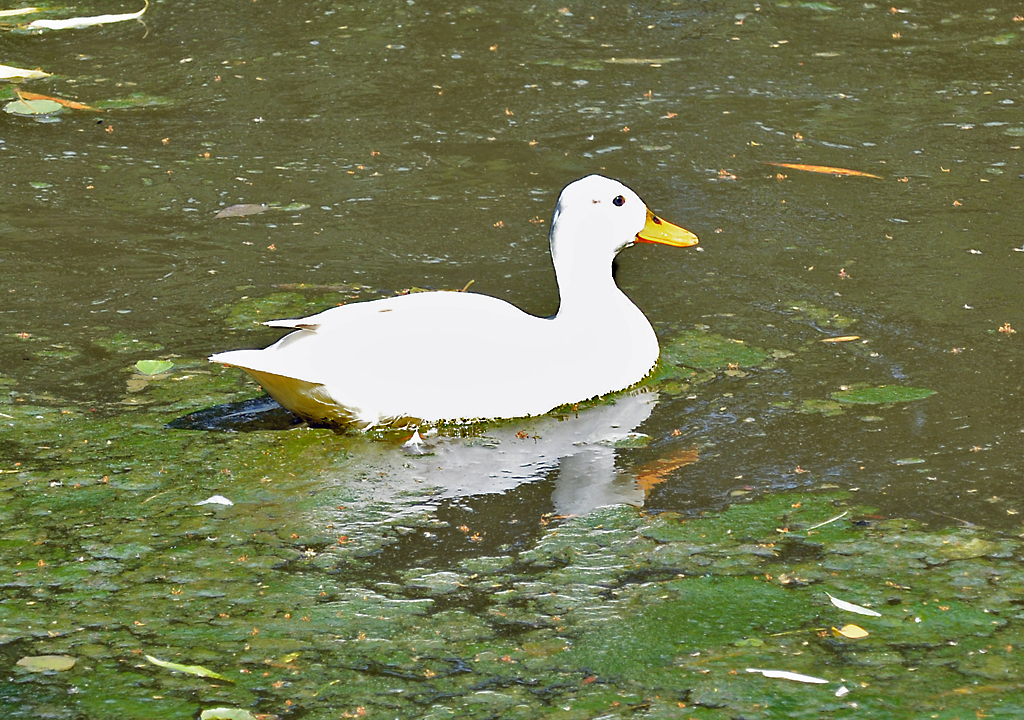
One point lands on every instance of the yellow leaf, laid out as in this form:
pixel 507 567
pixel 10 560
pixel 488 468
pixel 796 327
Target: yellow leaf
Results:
pixel 190 669
pixel 18 11
pixel 66 103
pixel 854 632
pixel 824 169
pixel 842 338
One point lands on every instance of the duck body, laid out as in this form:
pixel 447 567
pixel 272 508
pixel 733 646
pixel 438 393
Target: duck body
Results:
pixel 460 356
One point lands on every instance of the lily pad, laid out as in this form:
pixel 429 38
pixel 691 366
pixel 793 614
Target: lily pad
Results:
pixel 153 367
pixel 226 714
pixel 47 663
pixel 30 108
pixel 882 395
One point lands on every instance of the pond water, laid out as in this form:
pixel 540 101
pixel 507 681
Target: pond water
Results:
pixel 420 144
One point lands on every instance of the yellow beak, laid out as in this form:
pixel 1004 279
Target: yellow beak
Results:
pixel 663 232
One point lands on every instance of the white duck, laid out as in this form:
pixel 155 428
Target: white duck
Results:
pixel 457 356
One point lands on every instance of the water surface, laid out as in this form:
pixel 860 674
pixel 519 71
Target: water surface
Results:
pixel 429 142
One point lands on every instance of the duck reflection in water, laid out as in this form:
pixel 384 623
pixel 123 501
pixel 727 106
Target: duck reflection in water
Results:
pixel 579 448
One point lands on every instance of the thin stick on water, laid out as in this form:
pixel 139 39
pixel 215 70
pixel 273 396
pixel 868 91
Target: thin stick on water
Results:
pixel 837 517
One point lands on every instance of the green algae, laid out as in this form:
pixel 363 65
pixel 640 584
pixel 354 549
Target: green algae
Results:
pixel 611 613
pixel 881 395
pixel 123 342
pixel 133 100
pixel 695 357
pixel 250 311
pixel 821 317
pixel 828 408
pixel 319 593
pixel 703 350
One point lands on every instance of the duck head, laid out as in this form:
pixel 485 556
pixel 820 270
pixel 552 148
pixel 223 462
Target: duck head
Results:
pixel 600 216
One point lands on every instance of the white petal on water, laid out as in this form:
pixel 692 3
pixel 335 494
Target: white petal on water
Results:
pixel 787 675
pixel 850 607
pixel 215 500
pixel 84 22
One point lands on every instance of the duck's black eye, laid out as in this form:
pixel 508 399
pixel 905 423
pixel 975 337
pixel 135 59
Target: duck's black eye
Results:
pixel 618 201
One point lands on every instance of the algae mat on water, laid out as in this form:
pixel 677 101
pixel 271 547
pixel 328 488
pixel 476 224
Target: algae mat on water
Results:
pixel 612 614
pixel 325 590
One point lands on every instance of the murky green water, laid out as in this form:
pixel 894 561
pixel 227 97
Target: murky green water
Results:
pixel 429 142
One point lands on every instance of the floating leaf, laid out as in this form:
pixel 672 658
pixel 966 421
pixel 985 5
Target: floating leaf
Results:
pixel 190 669
pixel 246 209
pixel 841 338
pixel 824 169
pixel 242 210
pixel 18 11
pixel 850 607
pixel 45 663
pixel 786 675
pixel 32 107
pixel 226 714
pixel 84 22
pixel 854 632
pixel 882 395
pixel 153 367
pixel 66 103
pixel 14 74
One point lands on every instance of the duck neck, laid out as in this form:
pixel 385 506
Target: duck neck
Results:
pixel 586 287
